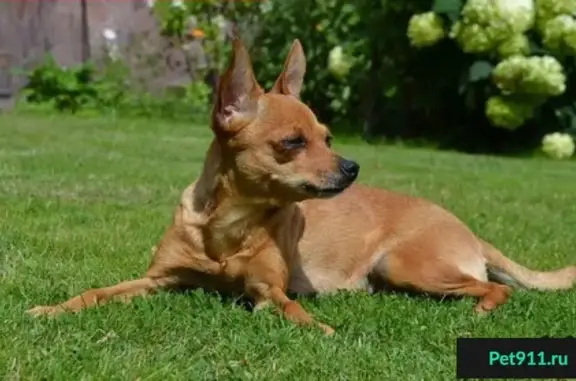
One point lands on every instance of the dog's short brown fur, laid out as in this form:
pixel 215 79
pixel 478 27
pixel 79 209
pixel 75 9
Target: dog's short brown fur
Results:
pixel 264 218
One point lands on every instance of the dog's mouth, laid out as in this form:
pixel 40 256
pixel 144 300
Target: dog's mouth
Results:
pixel 322 192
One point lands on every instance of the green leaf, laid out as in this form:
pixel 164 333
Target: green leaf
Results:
pixel 463 83
pixel 537 49
pixel 470 100
pixel 566 117
pixel 391 91
pixel 479 71
pixel 447 6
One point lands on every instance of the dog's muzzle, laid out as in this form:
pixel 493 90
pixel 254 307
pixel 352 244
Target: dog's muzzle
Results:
pixel 335 182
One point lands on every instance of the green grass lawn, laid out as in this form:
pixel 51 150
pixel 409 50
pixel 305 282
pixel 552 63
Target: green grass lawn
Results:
pixel 83 200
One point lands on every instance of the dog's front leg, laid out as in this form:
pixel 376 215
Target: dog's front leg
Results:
pixel 123 291
pixel 266 279
pixel 292 310
pixel 169 269
pixel 174 265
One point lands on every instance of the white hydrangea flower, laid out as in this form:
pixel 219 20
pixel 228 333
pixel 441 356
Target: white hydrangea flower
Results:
pixel 521 13
pixel 220 21
pixel 425 29
pixel 472 38
pixel 530 75
pixel 558 145
pixel 485 23
pixel 549 9
pixel 507 112
pixel 339 63
pixel 111 43
pixel 266 6
pixel 516 45
pixel 178 4
pixel 109 34
pixel 559 34
pixel 222 25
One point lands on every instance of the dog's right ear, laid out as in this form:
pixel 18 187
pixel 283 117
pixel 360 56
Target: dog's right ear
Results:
pixel 238 91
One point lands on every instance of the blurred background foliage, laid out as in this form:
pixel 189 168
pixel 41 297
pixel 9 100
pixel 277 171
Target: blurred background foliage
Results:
pixel 482 76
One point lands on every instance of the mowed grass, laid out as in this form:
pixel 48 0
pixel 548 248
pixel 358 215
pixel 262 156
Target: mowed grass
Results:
pixel 82 201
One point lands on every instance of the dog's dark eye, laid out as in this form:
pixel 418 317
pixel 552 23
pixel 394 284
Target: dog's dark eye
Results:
pixel 329 141
pixel 294 142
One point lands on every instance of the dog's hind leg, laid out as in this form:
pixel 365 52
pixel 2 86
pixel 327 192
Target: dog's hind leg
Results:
pixel 441 268
pixel 448 282
pixel 490 294
pixel 123 291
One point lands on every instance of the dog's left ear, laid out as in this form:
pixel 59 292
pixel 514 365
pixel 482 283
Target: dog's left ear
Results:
pixel 290 81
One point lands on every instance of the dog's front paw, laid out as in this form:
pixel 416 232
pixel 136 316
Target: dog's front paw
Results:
pixel 328 331
pixel 45 311
pixel 262 305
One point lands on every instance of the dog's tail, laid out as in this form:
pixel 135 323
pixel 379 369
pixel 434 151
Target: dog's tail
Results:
pixel 505 270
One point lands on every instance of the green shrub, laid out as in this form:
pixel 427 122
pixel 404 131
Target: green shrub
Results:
pixel 354 52
pixel 107 90
pixel 67 89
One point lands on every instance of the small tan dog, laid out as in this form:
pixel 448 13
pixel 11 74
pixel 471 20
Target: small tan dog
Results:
pixel 275 210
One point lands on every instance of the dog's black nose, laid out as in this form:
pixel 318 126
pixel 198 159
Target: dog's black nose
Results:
pixel 349 169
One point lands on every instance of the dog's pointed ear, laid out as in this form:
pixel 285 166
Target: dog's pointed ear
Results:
pixel 290 81
pixel 238 90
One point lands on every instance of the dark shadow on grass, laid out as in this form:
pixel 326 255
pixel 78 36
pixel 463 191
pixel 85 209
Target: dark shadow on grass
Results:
pixel 389 291
pixel 224 297
pixel 248 305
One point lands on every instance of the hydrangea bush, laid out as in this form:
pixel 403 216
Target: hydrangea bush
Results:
pixel 524 53
pixel 475 75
